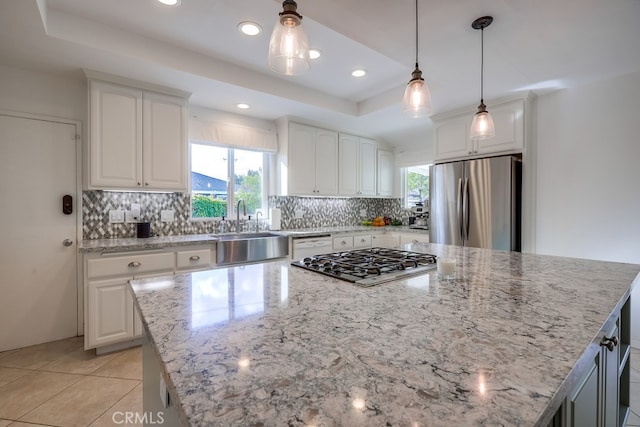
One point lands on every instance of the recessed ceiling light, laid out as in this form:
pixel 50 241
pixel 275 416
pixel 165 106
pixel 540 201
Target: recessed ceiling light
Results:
pixel 170 2
pixel 359 73
pixel 243 106
pixel 314 53
pixel 249 28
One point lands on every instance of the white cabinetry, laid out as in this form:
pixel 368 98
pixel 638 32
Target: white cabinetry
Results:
pixel 385 240
pixel 451 132
pixel 342 243
pixel 137 138
pixel 312 161
pixel 413 237
pixel 109 313
pixel 385 173
pixel 362 241
pixel 110 316
pixel 357 166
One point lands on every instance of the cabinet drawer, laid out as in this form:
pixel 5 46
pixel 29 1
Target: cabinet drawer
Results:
pixel 129 265
pixel 193 259
pixel 362 241
pixel 342 243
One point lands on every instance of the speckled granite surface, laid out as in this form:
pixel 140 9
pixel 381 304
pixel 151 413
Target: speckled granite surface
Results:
pixel 132 243
pixel 271 344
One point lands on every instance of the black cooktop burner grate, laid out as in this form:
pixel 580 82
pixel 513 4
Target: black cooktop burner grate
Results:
pixel 369 266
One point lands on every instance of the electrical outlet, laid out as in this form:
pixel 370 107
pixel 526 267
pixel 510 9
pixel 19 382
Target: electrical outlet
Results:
pixel 363 213
pixel 167 215
pixel 129 217
pixel 116 216
pixel 299 213
pixel 135 211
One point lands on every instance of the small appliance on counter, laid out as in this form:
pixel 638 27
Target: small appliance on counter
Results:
pixel 419 217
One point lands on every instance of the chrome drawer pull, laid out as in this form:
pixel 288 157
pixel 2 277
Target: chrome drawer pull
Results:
pixel 194 258
pixel 133 264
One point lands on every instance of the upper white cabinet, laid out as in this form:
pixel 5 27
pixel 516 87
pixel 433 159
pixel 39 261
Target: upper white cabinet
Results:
pixel 385 173
pixel 312 161
pixel 357 166
pixel 451 132
pixel 137 138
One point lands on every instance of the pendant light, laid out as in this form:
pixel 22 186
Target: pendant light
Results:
pixel 482 124
pixel 416 101
pixel 289 46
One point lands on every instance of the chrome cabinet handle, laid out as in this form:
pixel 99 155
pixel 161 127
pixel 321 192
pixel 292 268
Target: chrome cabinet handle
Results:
pixel 67 242
pixel 610 343
pixel 133 264
pixel 194 258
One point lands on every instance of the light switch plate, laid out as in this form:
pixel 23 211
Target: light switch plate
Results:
pixel 167 215
pixel 298 213
pixel 363 213
pixel 116 216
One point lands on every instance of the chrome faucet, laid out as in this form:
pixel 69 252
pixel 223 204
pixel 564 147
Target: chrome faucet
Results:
pixel 258 213
pixel 244 213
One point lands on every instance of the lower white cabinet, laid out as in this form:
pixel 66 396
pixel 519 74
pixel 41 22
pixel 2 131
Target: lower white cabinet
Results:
pixel 342 243
pixel 110 316
pixel 362 241
pixel 110 306
pixel 409 237
pixel 385 240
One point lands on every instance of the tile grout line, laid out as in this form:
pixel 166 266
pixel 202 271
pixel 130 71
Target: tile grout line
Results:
pixel 115 403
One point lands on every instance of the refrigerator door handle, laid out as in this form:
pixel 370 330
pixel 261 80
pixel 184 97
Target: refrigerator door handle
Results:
pixel 466 209
pixel 460 209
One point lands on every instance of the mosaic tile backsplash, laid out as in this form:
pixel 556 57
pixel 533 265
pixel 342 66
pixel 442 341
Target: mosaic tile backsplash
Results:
pixel 316 212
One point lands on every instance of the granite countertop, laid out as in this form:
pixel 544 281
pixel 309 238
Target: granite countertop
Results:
pixel 272 344
pixel 159 242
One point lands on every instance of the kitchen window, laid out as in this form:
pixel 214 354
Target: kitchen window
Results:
pixel 416 184
pixel 221 176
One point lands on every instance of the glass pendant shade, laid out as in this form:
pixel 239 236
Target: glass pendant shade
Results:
pixel 416 102
pixel 289 46
pixel 482 124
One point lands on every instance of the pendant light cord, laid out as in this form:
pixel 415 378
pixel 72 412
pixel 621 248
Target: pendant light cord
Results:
pixel 416 33
pixel 482 65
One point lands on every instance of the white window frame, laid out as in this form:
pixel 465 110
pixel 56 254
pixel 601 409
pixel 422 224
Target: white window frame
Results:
pixel 231 202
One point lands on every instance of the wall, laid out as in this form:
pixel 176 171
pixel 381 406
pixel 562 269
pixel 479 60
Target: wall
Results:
pixel 43 94
pixel 588 174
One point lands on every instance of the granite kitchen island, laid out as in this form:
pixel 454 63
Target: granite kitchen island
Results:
pixel 272 344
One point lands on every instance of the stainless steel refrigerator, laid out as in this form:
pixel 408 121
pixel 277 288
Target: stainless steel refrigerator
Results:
pixel 476 203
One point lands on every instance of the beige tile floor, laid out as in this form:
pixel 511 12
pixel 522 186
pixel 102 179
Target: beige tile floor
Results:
pixel 60 384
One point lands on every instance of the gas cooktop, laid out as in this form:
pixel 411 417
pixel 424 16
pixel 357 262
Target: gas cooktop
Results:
pixel 370 266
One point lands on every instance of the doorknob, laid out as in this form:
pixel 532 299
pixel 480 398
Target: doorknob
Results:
pixel 67 242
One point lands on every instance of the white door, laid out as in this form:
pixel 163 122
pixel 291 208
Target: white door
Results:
pixel 38 278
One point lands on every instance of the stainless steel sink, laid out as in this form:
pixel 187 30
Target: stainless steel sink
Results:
pixel 250 247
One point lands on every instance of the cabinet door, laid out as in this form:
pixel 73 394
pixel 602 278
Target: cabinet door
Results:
pixel 326 162
pixel 452 138
pixel 584 403
pixel 115 138
pixel 110 312
pixel 301 160
pixel 508 120
pixel 164 145
pixel 385 173
pixel 348 165
pixel 367 168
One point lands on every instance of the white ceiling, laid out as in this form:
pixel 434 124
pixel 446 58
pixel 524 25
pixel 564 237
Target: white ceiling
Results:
pixel 539 45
